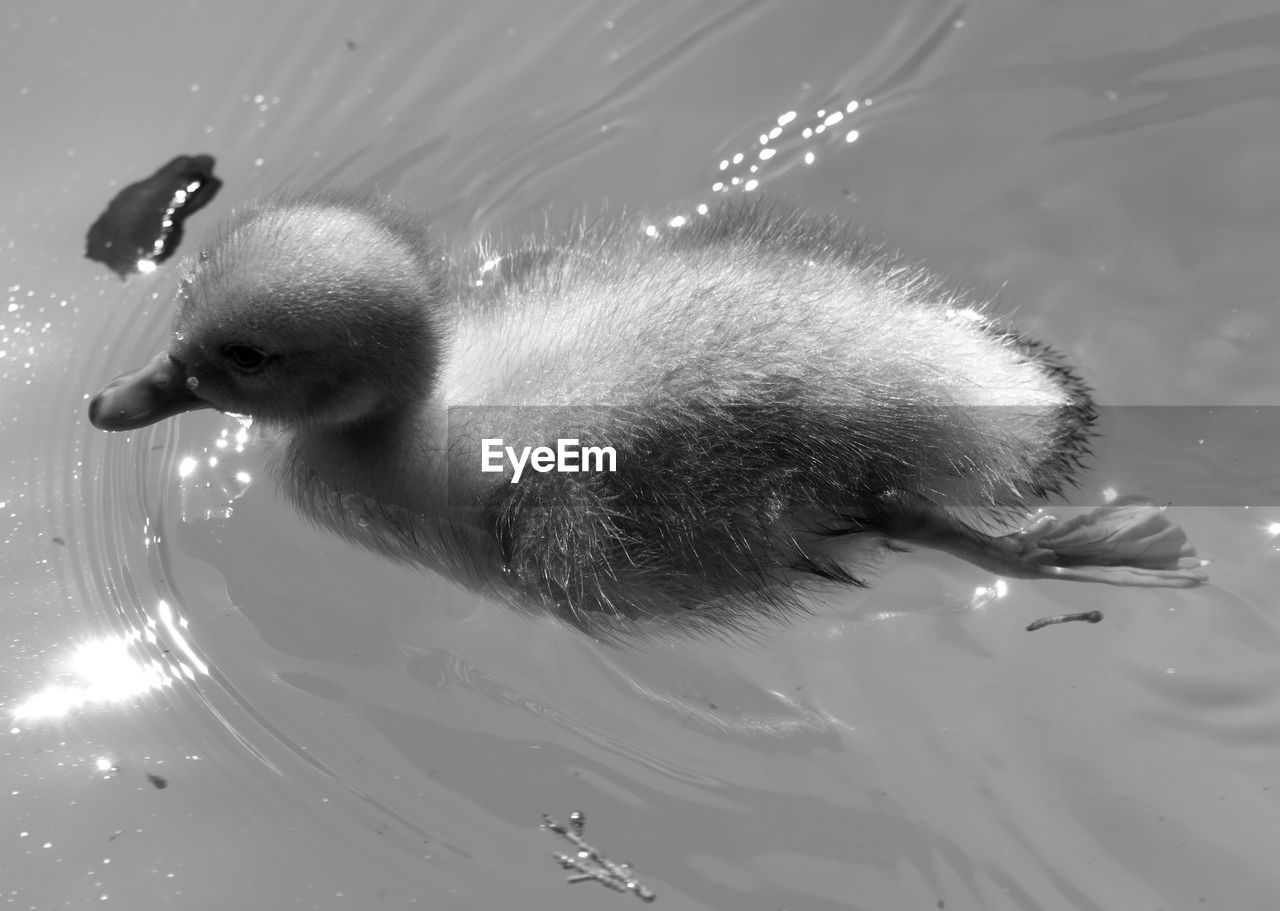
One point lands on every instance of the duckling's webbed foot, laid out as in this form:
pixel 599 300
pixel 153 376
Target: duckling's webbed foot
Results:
pixel 1131 543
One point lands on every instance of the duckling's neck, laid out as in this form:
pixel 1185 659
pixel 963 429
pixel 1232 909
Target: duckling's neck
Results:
pixel 384 484
pixel 395 458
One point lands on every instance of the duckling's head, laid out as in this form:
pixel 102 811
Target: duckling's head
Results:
pixel 310 311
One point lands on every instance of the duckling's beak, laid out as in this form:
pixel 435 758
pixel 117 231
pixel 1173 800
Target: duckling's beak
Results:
pixel 157 391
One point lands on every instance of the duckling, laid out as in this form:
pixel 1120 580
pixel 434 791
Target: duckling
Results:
pixel 758 388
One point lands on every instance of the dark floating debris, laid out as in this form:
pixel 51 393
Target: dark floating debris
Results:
pixel 142 225
pixel 588 864
pixel 1089 616
pixel 157 781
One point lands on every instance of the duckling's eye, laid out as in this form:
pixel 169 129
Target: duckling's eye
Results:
pixel 245 357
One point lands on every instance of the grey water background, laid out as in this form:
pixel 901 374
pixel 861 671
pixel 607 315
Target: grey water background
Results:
pixel 210 704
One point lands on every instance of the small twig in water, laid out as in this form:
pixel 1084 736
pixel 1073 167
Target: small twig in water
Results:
pixel 1089 616
pixel 589 864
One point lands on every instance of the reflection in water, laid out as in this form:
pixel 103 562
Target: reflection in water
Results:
pixel 115 669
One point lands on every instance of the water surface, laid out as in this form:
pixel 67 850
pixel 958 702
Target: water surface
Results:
pixel 232 709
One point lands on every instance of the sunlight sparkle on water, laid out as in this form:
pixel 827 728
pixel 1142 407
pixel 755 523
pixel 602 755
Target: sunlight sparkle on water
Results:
pixel 779 155
pixel 985 594
pixel 102 671
pixel 115 669
pixel 213 480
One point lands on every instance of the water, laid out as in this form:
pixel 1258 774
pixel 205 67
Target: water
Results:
pixel 255 714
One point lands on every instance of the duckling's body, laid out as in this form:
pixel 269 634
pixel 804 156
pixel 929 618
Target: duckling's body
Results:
pixel 768 383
